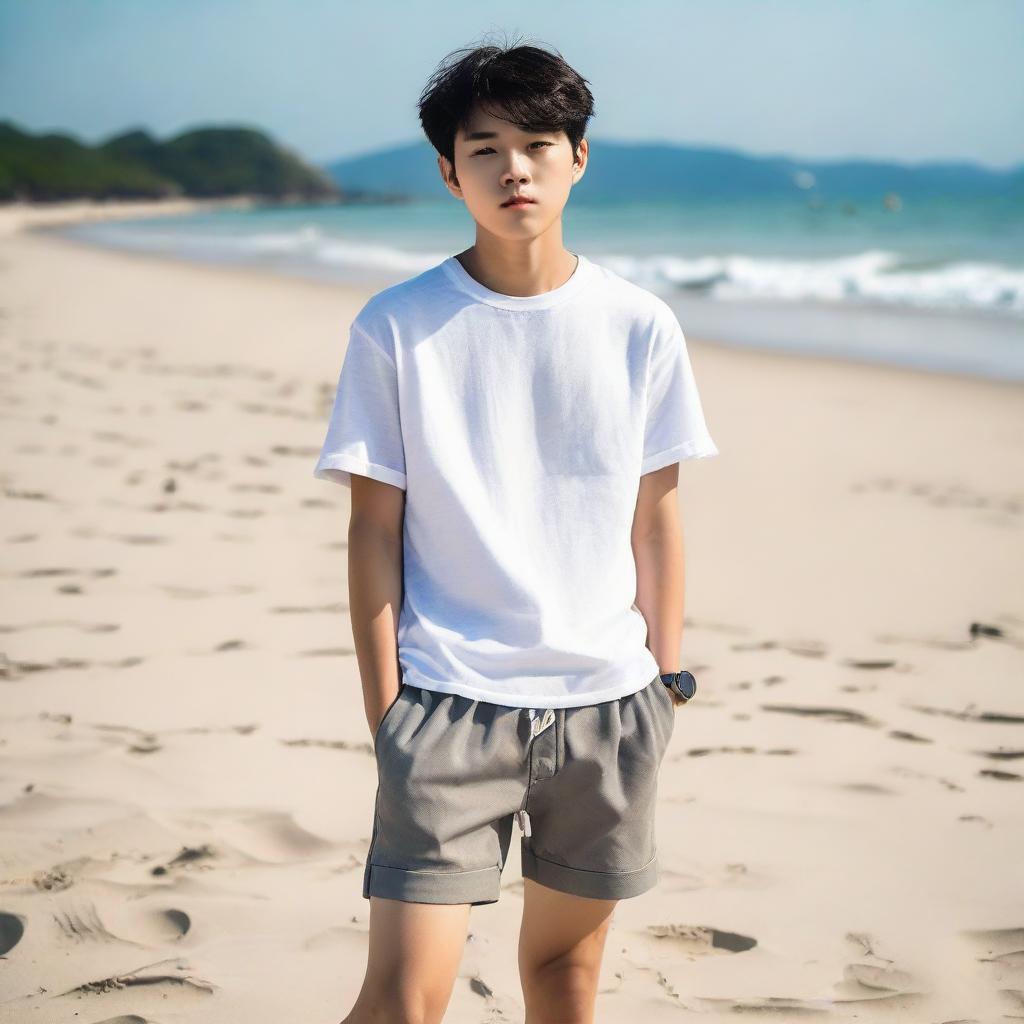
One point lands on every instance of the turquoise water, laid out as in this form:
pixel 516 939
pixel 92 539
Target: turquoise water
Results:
pixel 937 285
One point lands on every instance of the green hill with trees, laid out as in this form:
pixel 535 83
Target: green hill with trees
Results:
pixel 202 163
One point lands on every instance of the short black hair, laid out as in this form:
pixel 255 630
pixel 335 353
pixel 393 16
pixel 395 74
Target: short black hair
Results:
pixel 531 87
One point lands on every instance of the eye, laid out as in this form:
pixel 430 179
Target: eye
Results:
pixel 539 142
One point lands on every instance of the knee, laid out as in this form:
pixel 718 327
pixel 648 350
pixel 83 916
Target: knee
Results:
pixel 561 991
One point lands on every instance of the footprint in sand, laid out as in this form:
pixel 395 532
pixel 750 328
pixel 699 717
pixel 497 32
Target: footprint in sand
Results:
pixel 327 744
pixel 983 629
pixel 910 773
pixel 833 714
pixel 771 751
pixel 116 437
pixel 82 627
pixel 875 981
pixel 1000 717
pixel 942 494
pixel 1000 946
pixel 51 571
pixel 81 922
pixel 173 590
pixel 801 648
pixel 1001 754
pixel 10 669
pixel 701 939
pixel 910 737
pixel 130 1018
pixel 173 973
pixel 297 450
pixel 154 926
pixel 265 837
pixel 12 928
pixel 880 978
pixel 55 880
pixel 11 492
pixel 328 652
pixel 329 608
pixel 185 856
pixel 256 488
pixel 273 837
pixel 871 664
pixel 866 788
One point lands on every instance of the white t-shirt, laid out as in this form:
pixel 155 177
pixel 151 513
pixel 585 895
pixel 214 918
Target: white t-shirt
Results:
pixel 519 427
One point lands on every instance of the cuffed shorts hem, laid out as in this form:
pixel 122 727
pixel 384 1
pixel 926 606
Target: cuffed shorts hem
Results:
pixel 598 885
pixel 479 886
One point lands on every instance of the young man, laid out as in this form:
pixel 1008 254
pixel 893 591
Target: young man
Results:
pixel 510 423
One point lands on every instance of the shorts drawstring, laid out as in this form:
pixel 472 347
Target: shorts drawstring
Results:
pixel 536 728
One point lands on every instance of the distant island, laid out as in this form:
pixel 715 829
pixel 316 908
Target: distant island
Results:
pixel 201 163
pixel 623 172
pixel 225 161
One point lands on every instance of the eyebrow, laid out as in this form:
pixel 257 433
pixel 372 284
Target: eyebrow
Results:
pixel 474 136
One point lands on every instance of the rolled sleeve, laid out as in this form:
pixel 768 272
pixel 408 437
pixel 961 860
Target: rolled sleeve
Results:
pixel 675 428
pixel 364 432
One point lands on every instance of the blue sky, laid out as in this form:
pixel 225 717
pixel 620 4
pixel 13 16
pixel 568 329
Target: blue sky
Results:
pixel 903 79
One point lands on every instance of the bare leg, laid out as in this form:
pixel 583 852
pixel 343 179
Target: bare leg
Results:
pixel 561 945
pixel 414 955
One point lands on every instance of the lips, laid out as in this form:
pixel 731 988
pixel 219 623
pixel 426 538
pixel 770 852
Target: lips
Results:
pixel 518 201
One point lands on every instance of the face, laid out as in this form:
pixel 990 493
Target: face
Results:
pixel 495 160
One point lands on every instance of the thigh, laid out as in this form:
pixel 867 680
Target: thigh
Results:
pixel 593 821
pixel 414 955
pixel 449 774
pixel 561 945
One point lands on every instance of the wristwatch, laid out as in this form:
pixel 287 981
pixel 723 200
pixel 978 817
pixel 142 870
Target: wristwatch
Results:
pixel 680 683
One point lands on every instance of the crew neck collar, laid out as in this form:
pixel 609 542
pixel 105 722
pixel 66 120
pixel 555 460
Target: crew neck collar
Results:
pixel 471 286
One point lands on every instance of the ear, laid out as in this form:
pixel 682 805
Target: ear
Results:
pixel 579 164
pixel 451 182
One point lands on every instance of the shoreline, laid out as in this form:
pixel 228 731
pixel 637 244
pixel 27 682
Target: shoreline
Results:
pixel 47 230
pixel 21 216
pixel 37 220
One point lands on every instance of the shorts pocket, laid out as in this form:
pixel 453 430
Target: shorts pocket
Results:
pixel 667 701
pixel 388 715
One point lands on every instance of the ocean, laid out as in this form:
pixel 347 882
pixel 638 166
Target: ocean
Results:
pixel 932 285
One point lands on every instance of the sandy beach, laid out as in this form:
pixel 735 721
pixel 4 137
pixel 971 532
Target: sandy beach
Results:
pixel 186 773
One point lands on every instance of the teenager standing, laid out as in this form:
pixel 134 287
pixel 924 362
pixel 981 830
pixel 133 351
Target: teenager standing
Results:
pixel 510 423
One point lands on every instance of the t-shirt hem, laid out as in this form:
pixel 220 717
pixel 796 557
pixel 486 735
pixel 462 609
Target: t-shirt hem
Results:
pixel 338 468
pixel 632 682
pixel 700 448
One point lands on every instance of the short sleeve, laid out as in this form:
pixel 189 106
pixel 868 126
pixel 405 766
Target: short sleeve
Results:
pixel 674 429
pixel 364 433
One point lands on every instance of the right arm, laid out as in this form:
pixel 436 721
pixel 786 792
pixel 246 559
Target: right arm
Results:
pixel 375 583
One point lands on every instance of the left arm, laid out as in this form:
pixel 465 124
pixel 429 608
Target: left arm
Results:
pixel 657 539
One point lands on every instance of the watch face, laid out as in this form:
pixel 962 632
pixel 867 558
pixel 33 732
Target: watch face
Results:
pixel 684 680
pixel 687 684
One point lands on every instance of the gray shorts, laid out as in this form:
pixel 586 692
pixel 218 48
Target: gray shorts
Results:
pixel 455 774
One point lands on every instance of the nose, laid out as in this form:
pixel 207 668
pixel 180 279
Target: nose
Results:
pixel 515 173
